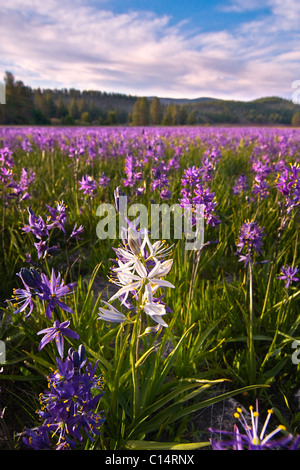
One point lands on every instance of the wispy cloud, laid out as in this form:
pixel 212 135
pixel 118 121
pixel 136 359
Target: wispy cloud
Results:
pixel 75 44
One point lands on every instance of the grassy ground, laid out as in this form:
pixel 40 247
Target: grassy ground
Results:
pixel 231 330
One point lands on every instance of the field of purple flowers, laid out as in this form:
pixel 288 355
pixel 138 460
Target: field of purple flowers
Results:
pixel 120 343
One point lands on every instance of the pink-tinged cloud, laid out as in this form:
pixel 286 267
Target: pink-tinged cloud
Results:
pixel 71 44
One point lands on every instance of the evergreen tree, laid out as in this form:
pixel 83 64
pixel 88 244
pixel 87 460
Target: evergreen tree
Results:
pixel 61 108
pixel 74 109
pixel 171 115
pixel 174 115
pixel 47 104
pixel 85 117
pixel 182 118
pixel 156 112
pixel 296 119
pixel 191 118
pixel 167 120
pixel 19 107
pixel 111 118
pixel 140 114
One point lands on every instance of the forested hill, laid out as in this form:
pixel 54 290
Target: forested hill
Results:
pixel 25 105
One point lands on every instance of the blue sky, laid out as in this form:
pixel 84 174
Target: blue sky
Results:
pixel 229 49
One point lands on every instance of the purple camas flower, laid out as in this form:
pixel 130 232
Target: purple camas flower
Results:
pixel 36 225
pixel 41 229
pixel 161 180
pixel 132 175
pixel 252 438
pixel 77 231
pixel 165 194
pixel 76 152
pixel 20 189
pixel 161 183
pixel 67 407
pixel 57 333
pixel 201 197
pixel 57 216
pixel 24 297
pixel 104 181
pixel 173 163
pixel 87 185
pixel 26 145
pixel 38 439
pixel 43 249
pixel 261 170
pixel 204 197
pixel 129 181
pixel 190 178
pixel 241 185
pixel 31 281
pixel 288 274
pixel 261 188
pixel 52 291
pixel 6 157
pixel 36 285
pixel 288 183
pixel 6 176
pixel 207 170
pixel 250 241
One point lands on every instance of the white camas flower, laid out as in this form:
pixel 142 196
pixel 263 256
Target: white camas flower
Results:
pixel 136 281
pixel 137 246
pixel 157 250
pixel 155 310
pixel 140 271
pixel 111 314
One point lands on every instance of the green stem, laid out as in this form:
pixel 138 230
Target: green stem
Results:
pixel 6 431
pixel 3 220
pixel 134 356
pixel 196 261
pixel 251 344
pixel 267 292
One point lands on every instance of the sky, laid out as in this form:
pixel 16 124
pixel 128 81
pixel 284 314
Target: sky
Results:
pixel 230 49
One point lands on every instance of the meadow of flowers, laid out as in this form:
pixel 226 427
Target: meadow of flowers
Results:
pixel 122 343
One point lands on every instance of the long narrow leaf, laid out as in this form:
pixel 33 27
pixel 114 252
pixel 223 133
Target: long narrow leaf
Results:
pixel 152 445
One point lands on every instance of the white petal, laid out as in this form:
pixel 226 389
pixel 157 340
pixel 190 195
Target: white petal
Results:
pixel 154 270
pixel 124 266
pixel 126 254
pixel 154 309
pixel 111 316
pixel 162 283
pixel 159 320
pixel 125 289
pixel 151 329
pixel 141 270
pixel 149 293
pixel 166 267
pixel 147 242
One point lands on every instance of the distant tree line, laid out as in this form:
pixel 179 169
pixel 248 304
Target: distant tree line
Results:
pixel 25 105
